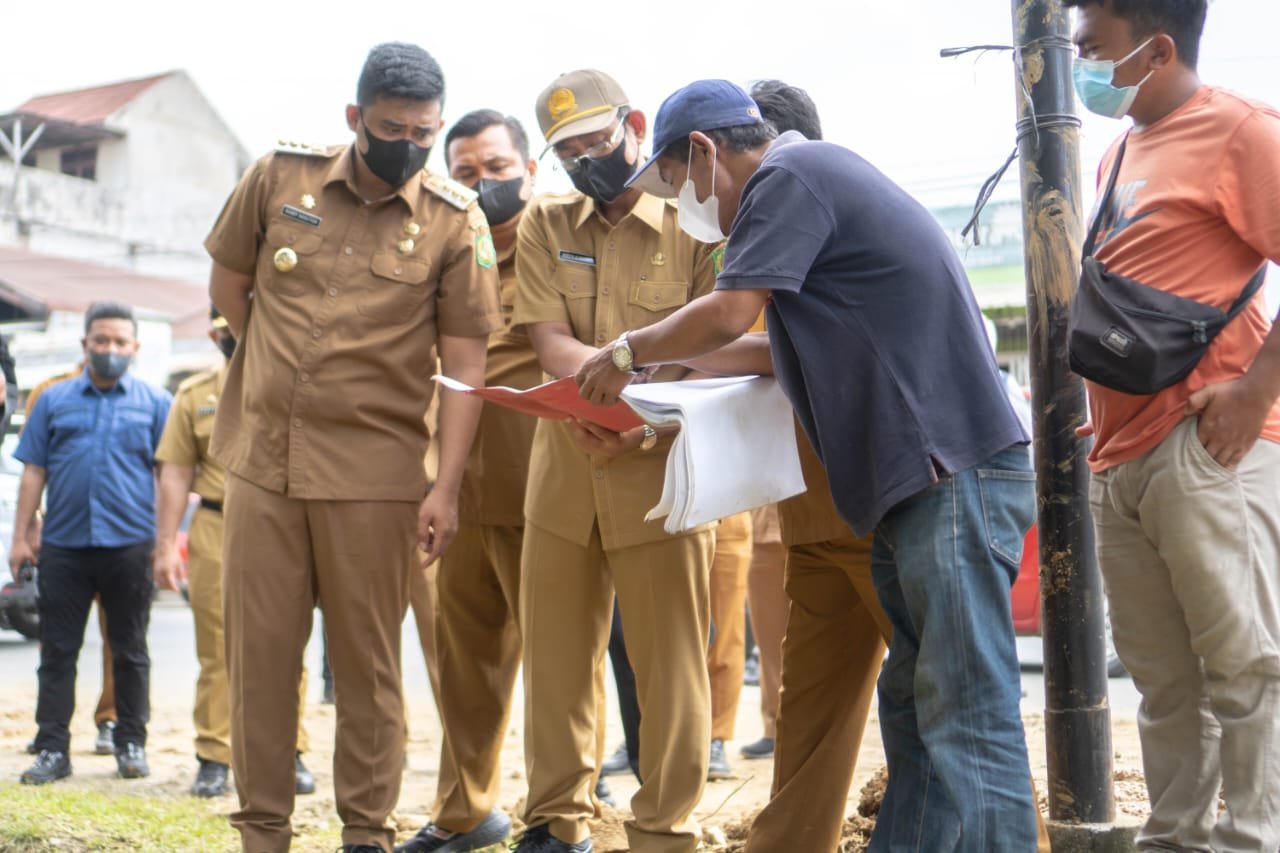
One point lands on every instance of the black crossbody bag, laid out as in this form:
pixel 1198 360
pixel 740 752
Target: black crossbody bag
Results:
pixel 1133 338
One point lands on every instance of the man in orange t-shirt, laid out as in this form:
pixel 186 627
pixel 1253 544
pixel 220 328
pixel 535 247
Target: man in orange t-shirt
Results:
pixel 1186 482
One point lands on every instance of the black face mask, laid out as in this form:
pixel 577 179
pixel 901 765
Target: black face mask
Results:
pixel 394 162
pixel 500 200
pixel 227 343
pixel 605 179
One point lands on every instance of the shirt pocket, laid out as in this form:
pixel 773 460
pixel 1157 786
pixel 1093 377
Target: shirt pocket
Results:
pixel 133 430
pixel 396 289
pixel 69 426
pixel 576 284
pixel 650 301
pixel 305 242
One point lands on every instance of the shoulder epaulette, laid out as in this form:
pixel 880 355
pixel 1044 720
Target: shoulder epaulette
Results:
pixel 450 190
pixel 305 149
pixel 197 379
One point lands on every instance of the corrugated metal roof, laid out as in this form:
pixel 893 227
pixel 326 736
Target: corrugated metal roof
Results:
pixel 92 105
pixel 60 284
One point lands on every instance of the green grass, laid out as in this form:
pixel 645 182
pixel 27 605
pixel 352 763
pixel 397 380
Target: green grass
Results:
pixel 47 818
pixel 1004 275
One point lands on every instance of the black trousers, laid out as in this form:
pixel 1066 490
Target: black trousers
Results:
pixel 624 677
pixel 68 579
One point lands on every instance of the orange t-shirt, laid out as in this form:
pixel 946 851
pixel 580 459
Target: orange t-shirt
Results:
pixel 1195 212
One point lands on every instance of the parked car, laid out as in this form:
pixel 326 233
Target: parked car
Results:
pixel 1026 600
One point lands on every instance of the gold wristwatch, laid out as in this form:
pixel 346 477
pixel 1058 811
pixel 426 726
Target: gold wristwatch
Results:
pixel 623 358
pixel 650 438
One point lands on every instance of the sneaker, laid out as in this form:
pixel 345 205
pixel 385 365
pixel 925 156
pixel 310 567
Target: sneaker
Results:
pixel 762 748
pixel 494 829
pixel 604 795
pixel 131 761
pixel 538 839
pixel 718 767
pixel 105 742
pixel 751 670
pixel 50 766
pixel 211 779
pixel 618 763
pixel 304 782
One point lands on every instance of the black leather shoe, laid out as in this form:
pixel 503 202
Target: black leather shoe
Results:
pixel 105 742
pixel 494 829
pixel 604 795
pixel 538 839
pixel 762 748
pixel 618 763
pixel 211 779
pixel 131 761
pixel 50 766
pixel 718 767
pixel 304 782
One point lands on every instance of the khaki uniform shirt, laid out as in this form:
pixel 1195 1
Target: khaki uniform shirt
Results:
pixel 498 467
pixel 187 431
pixel 326 395
pixel 43 386
pixel 602 280
pixel 811 516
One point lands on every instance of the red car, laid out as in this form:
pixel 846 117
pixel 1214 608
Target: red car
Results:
pixel 1026 600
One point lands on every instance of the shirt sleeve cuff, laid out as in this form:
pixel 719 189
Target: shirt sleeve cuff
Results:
pixel 759 282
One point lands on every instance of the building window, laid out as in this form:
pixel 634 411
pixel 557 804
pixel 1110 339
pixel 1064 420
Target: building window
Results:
pixel 79 162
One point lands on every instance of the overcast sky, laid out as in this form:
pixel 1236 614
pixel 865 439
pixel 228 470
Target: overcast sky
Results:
pixel 286 69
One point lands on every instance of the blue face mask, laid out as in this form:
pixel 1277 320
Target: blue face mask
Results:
pixel 1093 77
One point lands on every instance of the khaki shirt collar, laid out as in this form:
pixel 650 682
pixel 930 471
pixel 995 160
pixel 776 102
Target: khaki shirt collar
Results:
pixel 648 209
pixel 343 169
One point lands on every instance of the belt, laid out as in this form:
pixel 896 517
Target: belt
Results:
pixel 216 506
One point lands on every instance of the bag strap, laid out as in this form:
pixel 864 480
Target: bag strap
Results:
pixel 1250 288
pixel 1106 198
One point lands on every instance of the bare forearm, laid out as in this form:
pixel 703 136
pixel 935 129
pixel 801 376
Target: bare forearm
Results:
pixel 559 352
pixel 462 359
pixel 748 355
pixel 171 501
pixel 30 488
pixel 1263 376
pixel 704 325
pixel 229 291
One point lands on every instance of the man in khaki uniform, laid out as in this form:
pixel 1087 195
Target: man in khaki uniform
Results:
pixel 478 584
pixel 592 264
pixel 187 467
pixel 359 263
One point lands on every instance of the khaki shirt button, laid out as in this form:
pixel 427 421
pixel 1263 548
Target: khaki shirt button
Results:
pixel 657 298
pixel 297 422
pixel 398 270
pixel 573 287
pixel 348 250
pixel 305 377
pixel 315 333
pixel 333 291
pixel 600 337
pixel 605 291
pixel 599 473
pixel 610 244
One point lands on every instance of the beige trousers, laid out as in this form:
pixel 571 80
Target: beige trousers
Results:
pixel 281 555
pixel 1190 553
pixel 727 654
pixel 566 607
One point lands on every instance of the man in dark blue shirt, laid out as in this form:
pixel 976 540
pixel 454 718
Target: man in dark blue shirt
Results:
pixel 92 441
pixel 880 347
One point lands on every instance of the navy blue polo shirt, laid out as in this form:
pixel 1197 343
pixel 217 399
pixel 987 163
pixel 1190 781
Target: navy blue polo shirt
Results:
pixel 877 339
pixel 98 448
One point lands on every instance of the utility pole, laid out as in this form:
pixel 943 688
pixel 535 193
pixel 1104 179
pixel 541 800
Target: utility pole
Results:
pixel 18 149
pixel 1077 713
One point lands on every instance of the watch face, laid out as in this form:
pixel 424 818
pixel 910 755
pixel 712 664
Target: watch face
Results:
pixel 622 356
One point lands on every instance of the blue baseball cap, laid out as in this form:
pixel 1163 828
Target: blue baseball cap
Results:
pixel 702 105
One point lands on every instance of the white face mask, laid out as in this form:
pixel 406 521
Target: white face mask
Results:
pixel 700 219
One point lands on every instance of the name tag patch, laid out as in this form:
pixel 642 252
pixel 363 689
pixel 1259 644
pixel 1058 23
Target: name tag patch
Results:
pixel 575 258
pixel 299 215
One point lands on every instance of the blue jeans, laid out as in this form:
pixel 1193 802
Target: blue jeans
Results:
pixel 944 561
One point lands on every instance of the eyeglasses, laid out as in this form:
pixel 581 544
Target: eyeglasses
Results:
pixel 597 151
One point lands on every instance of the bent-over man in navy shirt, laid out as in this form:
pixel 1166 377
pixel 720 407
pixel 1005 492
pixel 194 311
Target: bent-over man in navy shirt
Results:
pixel 880 347
pixel 92 441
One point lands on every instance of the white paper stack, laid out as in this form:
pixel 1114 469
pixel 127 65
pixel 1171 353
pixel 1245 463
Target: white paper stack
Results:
pixel 736 449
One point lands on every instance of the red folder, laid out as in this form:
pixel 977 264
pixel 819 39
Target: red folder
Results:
pixel 558 401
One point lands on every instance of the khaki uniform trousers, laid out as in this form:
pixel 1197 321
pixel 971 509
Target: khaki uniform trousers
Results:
pixel 212 712
pixel 769 608
pixel 1189 552
pixel 106 710
pixel 566 608
pixel 478 647
pixel 727 655
pixel 281 555
pixel 831 658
